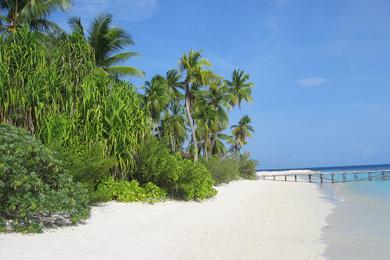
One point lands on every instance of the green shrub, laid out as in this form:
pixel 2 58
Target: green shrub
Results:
pixel 181 178
pixel 33 185
pixel 130 191
pixel 223 170
pixel 195 183
pixel 247 167
pixel 156 164
pixel 87 165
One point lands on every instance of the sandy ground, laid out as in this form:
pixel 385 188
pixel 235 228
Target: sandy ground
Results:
pixel 247 220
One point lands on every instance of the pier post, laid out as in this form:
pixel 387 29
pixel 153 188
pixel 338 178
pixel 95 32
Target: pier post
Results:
pixel 274 177
pixel 295 178
pixel 309 177
pixel 322 178
pixel 285 177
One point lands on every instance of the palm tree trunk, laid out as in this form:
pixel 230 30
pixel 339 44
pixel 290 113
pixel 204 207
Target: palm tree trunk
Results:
pixel 173 145
pixel 193 128
pixel 206 147
pixel 213 141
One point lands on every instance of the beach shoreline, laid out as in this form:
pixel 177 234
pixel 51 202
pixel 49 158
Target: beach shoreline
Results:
pixel 358 227
pixel 246 220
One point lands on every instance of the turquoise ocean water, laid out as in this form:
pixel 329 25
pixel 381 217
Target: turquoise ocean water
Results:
pixel 359 226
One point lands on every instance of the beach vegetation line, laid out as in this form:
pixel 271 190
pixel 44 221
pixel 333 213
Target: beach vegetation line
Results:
pixel 76 131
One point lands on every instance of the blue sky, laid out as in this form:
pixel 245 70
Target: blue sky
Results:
pixel 321 68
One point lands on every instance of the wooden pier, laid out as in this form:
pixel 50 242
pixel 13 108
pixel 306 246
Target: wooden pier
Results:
pixel 327 177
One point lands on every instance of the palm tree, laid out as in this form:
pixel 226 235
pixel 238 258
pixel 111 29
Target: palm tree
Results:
pixel 242 131
pixel 206 117
pixel 107 41
pixel 240 88
pixel 219 147
pixel 157 97
pixel 196 74
pixel 32 13
pixel 211 114
pixel 219 99
pixel 234 144
pixel 173 79
pixel 174 126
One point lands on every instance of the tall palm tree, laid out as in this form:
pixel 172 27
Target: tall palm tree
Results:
pixel 157 97
pixel 219 99
pixel 206 117
pixel 108 41
pixel 174 126
pixel 31 13
pixel 196 74
pixel 242 131
pixel 174 82
pixel 240 88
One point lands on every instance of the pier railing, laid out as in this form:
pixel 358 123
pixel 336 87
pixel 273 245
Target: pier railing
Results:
pixel 328 177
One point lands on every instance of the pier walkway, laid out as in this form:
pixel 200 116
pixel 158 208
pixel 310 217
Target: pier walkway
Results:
pixel 327 177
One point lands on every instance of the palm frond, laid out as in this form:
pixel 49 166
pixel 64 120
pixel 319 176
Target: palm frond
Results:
pixel 120 57
pixel 125 71
pixel 76 25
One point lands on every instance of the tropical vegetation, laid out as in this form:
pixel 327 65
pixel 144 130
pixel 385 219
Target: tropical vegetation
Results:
pixel 33 185
pixel 74 129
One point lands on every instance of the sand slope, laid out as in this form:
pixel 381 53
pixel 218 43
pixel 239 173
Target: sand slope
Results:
pixel 247 220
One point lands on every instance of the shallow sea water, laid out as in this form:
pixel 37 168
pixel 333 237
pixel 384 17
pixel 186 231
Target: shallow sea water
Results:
pixel 359 226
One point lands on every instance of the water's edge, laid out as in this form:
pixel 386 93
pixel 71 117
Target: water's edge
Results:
pixel 358 226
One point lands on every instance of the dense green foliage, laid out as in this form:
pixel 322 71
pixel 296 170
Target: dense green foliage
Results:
pixel 247 167
pixel 231 168
pixel 32 183
pixel 191 104
pixel 106 41
pixel 179 177
pixel 57 93
pixel 97 137
pixel 195 182
pixel 32 13
pixel 223 170
pixel 129 191
pixel 87 165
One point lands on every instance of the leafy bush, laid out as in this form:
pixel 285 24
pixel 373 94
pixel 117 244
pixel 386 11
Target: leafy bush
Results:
pixel 88 165
pixel 223 170
pixel 195 183
pixel 33 185
pixel 181 178
pixel 156 164
pixel 247 167
pixel 130 191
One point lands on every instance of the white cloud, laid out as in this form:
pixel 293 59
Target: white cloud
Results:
pixel 311 82
pixel 125 10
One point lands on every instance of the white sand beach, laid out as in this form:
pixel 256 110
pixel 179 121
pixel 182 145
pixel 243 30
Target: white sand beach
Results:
pixel 246 220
